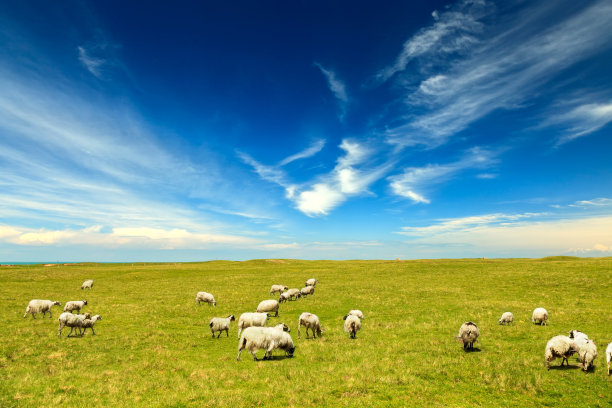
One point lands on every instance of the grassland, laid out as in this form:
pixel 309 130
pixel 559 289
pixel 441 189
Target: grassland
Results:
pixel 154 348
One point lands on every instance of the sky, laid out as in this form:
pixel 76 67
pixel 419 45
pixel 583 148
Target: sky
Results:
pixel 192 131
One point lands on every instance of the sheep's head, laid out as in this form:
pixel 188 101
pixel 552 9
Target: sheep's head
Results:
pixel 285 288
pixel 57 303
pixel 267 316
pixel 232 318
pixel 285 327
pixel 84 302
pixel 290 351
pixel 87 316
pixel 344 318
pixel 214 303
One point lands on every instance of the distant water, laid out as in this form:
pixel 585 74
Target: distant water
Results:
pixel 35 263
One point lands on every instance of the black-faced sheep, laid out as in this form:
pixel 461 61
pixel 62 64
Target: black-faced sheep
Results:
pixel 219 324
pixel 352 324
pixel 278 288
pixel 468 334
pixel 578 337
pixel 252 320
pixel 587 352
pixel 88 284
pixel 74 321
pixel 308 290
pixel 89 324
pixel 559 346
pixel 311 282
pixel 266 338
pixel 206 298
pixel 40 306
pixel 506 318
pixel 293 293
pixel 357 313
pixel 309 321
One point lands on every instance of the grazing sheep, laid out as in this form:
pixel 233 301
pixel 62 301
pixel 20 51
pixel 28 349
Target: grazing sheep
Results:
pixel 308 290
pixel 88 284
pixel 352 325
pixel 587 353
pixel 40 306
pixel 284 297
pixel 609 356
pixel 89 324
pixel 357 313
pixel 252 319
pixel 579 337
pixel 293 293
pixel 218 324
pixel 559 346
pixel 278 288
pixel 310 321
pixel 206 298
pixel 468 334
pixel 540 316
pixel 268 306
pixel 266 338
pixel 74 305
pixel 311 282
pixel 73 321
pixel 506 318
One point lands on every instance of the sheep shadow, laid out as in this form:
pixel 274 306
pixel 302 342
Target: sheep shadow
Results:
pixel 275 358
pixel 565 367
pixel 473 350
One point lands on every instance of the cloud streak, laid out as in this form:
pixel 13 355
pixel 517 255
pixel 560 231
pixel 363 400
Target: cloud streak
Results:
pixel 336 86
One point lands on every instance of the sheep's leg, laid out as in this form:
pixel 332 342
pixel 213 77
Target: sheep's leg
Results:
pixel 59 331
pixel 93 333
pixel 276 315
pixel 254 355
pixel 299 328
pixel 227 332
pixel 219 335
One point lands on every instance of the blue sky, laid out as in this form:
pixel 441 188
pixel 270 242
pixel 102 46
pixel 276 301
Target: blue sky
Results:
pixel 185 131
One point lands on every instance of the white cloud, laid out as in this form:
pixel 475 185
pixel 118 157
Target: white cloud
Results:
pixel 93 64
pixel 313 149
pixel 415 179
pixel 319 199
pixel 336 86
pixel 293 245
pixel 581 120
pixel 510 62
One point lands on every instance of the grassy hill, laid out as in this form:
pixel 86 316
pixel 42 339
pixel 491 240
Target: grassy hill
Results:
pixel 154 347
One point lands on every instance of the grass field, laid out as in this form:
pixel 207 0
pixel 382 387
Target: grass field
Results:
pixel 154 347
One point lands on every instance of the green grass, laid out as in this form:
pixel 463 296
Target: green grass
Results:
pixel 154 348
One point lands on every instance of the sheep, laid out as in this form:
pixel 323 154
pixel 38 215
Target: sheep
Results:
pixel 468 334
pixel 88 284
pixel 252 319
pixel 278 288
pixel 579 337
pixel 267 338
pixel 540 316
pixel 308 290
pixel 284 297
pixel 609 356
pixel 587 353
pixel 357 313
pixel 268 306
pixel 206 298
pixel 293 293
pixel 310 321
pixel 221 323
pixel 89 324
pixel 73 321
pixel 506 318
pixel 352 325
pixel 74 305
pixel 311 282
pixel 559 346
pixel 40 306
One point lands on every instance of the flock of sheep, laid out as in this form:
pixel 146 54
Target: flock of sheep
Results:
pixel 80 322
pixel 558 347
pixel 255 336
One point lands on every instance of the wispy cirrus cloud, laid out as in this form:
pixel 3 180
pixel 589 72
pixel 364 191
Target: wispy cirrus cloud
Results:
pixel 580 120
pixel 507 62
pixel 92 63
pixel 336 86
pixel 310 151
pixel 414 181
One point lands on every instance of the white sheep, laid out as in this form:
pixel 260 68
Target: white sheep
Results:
pixel 540 316
pixel 309 321
pixel 88 284
pixel 311 282
pixel 73 321
pixel 468 334
pixel 268 306
pixel 587 352
pixel 206 298
pixel 278 288
pixel 219 324
pixel 506 318
pixel 293 293
pixel 579 337
pixel 352 325
pixel 356 312
pixel 74 305
pixel 308 290
pixel 284 297
pixel 609 356
pixel 559 346
pixel 89 324
pixel 40 306
pixel 266 338
pixel 252 319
